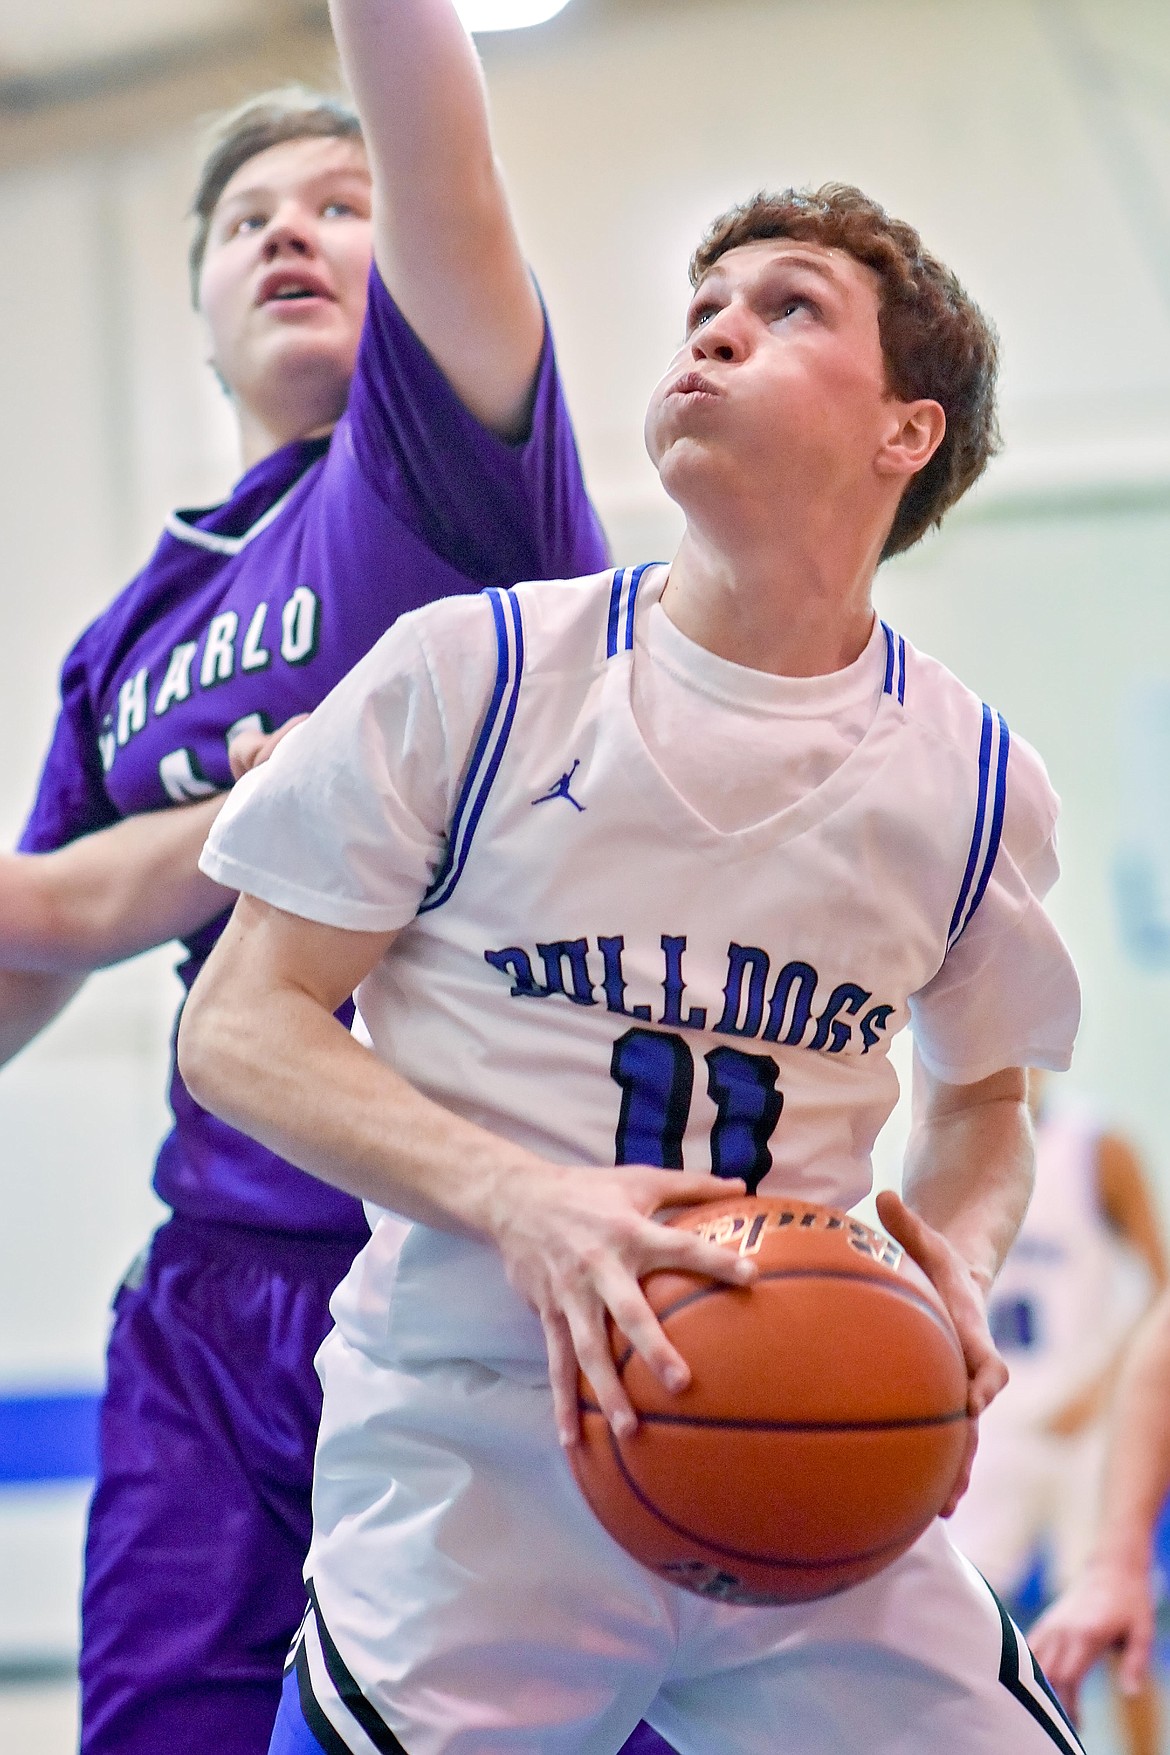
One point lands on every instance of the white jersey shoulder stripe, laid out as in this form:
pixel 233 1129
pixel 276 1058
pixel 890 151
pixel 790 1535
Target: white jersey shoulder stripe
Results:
pixel 489 748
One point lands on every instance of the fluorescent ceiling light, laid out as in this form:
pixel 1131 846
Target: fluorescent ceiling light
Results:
pixel 507 14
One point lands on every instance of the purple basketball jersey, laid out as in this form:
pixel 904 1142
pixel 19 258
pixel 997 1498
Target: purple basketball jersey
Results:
pixel 253 610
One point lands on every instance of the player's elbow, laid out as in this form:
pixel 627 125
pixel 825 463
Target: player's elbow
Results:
pixel 208 1046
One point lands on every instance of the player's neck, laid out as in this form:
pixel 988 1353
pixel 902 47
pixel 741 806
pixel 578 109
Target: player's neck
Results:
pixel 259 438
pixel 776 608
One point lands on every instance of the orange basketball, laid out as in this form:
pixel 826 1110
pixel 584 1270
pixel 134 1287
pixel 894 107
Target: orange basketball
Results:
pixel 824 1426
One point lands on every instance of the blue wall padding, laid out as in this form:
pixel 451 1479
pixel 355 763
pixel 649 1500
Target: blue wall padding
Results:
pixel 48 1437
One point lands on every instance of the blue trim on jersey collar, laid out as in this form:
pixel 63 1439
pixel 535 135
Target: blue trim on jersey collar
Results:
pixel 895 682
pixel 623 597
pixel 994 747
pixel 489 748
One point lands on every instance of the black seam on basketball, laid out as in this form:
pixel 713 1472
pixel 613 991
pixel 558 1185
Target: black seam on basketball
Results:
pixel 678 1529
pixel 725 1423
pixel 1012 1679
pixel 909 1293
pixel 355 1702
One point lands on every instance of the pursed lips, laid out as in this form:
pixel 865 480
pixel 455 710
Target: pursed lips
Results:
pixel 692 384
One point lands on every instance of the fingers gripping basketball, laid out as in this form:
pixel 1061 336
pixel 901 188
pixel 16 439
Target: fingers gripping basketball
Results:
pixel 824 1424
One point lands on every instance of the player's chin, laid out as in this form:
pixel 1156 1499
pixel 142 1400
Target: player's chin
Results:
pixel 697 471
pixel 318 358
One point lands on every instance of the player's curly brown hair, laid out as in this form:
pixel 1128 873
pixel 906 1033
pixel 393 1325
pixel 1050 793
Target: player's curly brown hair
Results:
pixel 935 340
pixel 291 112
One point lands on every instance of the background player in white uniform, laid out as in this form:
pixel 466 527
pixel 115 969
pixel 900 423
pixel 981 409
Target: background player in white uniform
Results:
pixel 644 870
pixel 1061 1313
pixel 1110 1607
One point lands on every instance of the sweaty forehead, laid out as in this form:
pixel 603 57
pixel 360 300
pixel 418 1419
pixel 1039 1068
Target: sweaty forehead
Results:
pixel 293 162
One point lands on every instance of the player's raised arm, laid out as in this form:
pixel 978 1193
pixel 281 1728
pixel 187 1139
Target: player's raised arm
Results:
pixel 968 1177
pixel 105 897
pixel 444 239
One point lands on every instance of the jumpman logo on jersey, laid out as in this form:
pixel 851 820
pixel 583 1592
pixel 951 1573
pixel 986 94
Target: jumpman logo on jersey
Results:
pixel 561 789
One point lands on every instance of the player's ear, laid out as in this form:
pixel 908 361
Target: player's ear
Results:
pixel 913 435
pixel 212 365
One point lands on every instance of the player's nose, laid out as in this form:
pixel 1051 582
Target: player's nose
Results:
pixel 289 232
pixel 726 336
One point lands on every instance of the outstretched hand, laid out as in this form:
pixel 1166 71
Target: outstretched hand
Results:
pixel 576 1247
pixel 1109 1608
pixel 966 1300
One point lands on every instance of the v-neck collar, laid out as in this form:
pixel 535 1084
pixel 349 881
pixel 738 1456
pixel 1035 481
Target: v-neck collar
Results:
pixel 859 766
pixel 257 499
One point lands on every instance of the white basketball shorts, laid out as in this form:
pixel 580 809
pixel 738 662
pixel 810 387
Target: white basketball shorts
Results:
pixel 465 1601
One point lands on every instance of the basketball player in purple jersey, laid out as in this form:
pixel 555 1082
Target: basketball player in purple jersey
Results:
pixel 395 451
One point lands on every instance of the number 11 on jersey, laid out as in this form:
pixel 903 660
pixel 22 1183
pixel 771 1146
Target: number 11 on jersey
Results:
pixel 656 1074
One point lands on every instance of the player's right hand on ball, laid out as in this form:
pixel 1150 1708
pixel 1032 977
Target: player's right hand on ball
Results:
pixel 1109 1608
pixel 577 1245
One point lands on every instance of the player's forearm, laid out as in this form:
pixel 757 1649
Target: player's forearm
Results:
pixel 108 895
pixel 443 232
pixel 273 1061
pixel 27 1003
pixel 1137 1477
pixel 969 1167
pixel 420 90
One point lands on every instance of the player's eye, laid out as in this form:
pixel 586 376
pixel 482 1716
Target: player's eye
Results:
pixel 700 315
pixel 247 222
pixel 339 210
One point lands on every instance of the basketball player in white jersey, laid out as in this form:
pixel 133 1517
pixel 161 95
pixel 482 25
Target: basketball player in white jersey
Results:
pixel 1061 1320
pixel 635 877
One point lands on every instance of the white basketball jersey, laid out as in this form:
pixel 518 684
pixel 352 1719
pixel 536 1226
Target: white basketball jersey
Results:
pixel 1057 1308
pixel 600 975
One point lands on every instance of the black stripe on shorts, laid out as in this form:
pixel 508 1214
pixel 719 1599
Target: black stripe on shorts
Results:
pixel 1055 1721
pixel 375 1727
pixel 328 1738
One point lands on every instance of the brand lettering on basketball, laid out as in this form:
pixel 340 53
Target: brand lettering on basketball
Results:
pixel 745 1232
pixel 715 1583
pixel 873 1244
pixel 792 1005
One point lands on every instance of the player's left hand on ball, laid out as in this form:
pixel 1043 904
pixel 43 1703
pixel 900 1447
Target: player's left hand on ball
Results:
pixel 251 749
pixel 965 1299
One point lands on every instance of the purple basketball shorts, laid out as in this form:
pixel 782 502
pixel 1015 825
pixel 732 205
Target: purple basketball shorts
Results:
pixel 200 1518
pixel 201 1514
